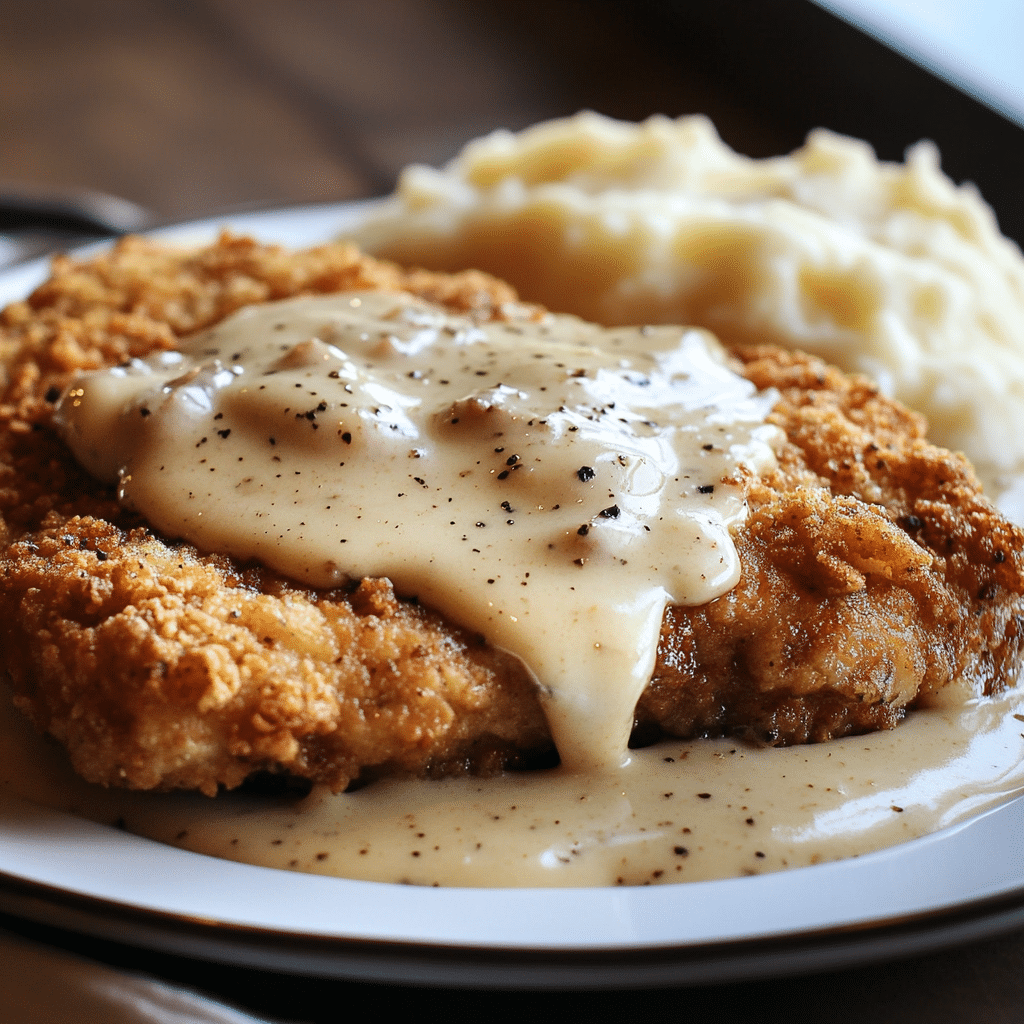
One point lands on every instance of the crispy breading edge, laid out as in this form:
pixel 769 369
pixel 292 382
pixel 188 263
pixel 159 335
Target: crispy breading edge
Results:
pixel 875 574
pixel 871 557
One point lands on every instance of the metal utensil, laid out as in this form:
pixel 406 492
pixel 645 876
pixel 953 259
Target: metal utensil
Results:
pixel 35 221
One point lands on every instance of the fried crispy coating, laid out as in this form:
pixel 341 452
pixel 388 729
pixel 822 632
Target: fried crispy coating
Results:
pixel 876 578
pixel 159 669
pixel 875 575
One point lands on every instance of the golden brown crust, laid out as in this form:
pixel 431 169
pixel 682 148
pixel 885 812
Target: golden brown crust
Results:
pixel 159 669
pixel 143 296
pixel 875 574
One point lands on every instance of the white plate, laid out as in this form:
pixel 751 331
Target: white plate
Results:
pixel 954 886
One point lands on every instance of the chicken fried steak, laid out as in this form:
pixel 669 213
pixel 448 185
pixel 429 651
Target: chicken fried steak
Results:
pixel 876 577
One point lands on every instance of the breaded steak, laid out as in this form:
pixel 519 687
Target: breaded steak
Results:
pixel 875 574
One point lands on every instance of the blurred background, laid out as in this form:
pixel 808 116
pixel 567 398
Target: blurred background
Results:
pixel 194 107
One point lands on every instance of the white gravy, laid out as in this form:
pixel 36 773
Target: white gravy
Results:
pixel 680 812
pixel 549 484
pixel 478 467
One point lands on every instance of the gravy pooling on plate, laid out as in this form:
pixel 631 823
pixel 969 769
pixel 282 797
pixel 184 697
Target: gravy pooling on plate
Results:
pixel 679 812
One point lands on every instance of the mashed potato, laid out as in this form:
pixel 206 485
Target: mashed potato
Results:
pixel 885 269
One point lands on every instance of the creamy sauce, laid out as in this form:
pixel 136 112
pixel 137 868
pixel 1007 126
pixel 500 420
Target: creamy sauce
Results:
pixel 401 432
pixel 679 812
pixel 551 485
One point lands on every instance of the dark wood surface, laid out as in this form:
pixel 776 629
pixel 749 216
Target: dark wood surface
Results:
pixel 194 107
pixel 191 107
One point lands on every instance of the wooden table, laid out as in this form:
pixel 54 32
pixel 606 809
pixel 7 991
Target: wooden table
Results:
pixel 192 107
pixel 196 107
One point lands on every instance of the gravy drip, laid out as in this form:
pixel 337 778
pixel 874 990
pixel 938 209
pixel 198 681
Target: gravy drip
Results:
pixel 547 483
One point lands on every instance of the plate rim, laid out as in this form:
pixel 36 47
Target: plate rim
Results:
pixel 590 963
pixel 537 968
